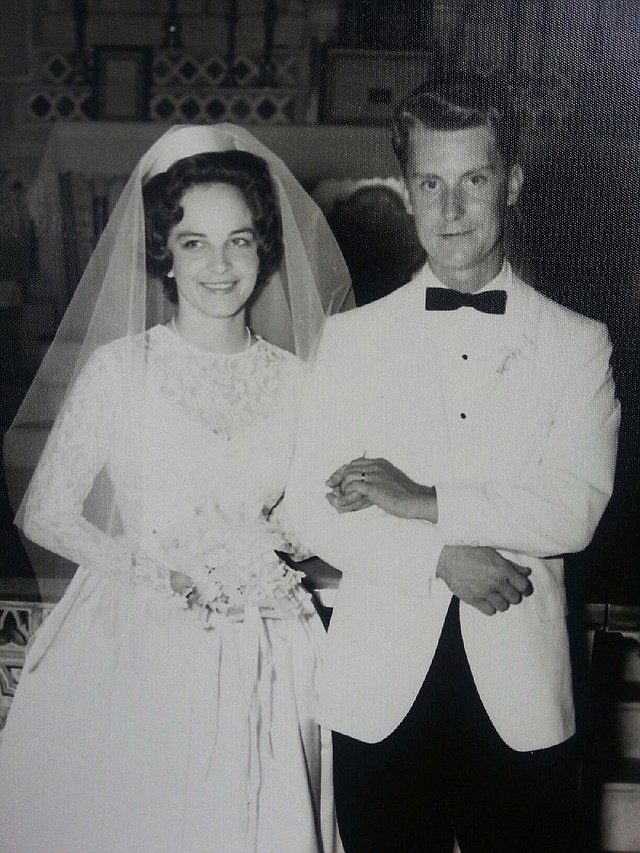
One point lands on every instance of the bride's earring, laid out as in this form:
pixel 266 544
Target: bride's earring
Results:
pixel 170 274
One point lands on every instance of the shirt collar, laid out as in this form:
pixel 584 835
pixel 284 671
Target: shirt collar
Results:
pixel 503 281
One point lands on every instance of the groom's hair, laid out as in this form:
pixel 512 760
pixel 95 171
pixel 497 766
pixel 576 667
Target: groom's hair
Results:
pixel 163 194
pixel 457 103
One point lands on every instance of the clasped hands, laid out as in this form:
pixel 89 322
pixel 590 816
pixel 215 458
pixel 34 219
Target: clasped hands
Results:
pixel 480 576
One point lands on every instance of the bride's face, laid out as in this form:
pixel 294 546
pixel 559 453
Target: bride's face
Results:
pixel 215 253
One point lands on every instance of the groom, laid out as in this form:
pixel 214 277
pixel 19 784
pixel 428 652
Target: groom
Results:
pixel 457 437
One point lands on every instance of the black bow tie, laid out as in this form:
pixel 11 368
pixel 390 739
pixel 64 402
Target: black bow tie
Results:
pixel 443 299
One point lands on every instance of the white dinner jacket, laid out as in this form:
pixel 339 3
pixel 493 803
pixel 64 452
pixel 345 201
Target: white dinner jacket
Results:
pixel 528 470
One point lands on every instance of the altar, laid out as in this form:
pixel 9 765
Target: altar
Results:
pixel 312 152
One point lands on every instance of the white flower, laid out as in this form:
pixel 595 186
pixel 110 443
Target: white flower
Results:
pixel 232 561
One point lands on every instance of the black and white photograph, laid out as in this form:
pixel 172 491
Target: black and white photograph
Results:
pixel 320 421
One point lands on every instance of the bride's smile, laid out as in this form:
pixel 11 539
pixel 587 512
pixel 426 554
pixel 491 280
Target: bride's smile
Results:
pixel 219 287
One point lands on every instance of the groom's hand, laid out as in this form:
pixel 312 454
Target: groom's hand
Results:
pixel 365 482
pixel 483 578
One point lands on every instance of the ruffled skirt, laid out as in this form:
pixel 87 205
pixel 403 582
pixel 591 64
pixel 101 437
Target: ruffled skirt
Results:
pixel 134 728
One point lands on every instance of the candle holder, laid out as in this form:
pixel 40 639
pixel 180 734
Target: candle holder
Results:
pixel 172 28
pixel 79 57
pixel 267 74
pixel 231 18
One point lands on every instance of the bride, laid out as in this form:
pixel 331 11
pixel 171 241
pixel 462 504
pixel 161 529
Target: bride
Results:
pixel 167 703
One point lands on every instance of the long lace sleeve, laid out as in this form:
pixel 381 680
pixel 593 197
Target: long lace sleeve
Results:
pixel 74 454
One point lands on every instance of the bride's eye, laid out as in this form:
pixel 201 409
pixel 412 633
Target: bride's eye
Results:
pixel 242 242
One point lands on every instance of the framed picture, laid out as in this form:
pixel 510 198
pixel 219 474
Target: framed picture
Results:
pixel 122 82
pixel 363 86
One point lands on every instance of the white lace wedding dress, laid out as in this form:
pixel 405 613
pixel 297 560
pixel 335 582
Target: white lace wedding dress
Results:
pixel 135 727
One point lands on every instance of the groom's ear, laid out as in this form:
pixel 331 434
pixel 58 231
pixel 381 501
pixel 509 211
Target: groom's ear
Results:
pixel 515 180
pixel 406 197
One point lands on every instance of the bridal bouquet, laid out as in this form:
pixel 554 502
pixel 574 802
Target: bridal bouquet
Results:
pixel 230 556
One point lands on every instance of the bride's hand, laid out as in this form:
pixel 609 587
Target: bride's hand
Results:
pixel 364 482
pixel 341 501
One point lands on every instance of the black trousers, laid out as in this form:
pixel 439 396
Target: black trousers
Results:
pixel 445 771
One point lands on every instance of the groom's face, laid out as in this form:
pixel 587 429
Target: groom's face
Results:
pixel 459 189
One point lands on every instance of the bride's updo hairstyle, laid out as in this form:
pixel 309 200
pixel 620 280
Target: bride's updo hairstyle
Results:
pixel 163 195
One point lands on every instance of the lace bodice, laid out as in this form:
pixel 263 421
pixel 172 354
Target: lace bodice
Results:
pixel 226 394
pixel 170 429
